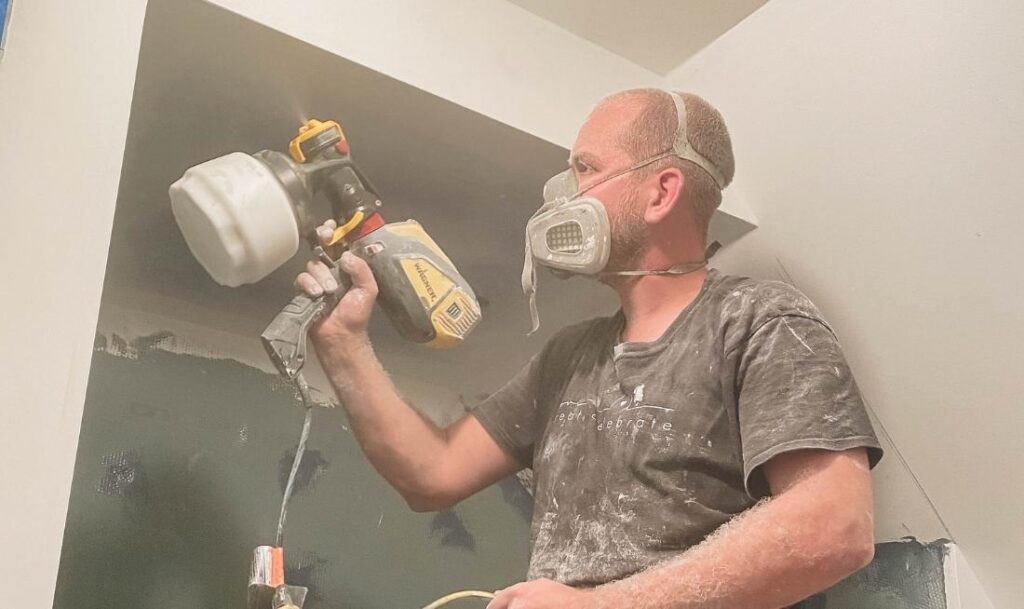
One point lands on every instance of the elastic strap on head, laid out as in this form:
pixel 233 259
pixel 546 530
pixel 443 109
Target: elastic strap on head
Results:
pixel 682 146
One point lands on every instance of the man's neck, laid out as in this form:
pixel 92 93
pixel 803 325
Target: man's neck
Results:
pixel 651 303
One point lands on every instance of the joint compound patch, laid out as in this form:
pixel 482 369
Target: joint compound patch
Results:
pixel 123 475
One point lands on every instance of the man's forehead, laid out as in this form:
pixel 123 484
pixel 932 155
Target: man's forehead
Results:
pixel 601 134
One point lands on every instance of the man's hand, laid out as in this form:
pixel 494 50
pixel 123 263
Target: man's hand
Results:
pixel 352 314
pixel 432 467
pixel 542 594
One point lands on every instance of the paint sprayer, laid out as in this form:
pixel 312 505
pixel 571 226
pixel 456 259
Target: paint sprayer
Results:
pixel 244 215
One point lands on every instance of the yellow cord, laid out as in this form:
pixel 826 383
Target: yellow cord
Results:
pixel 444 600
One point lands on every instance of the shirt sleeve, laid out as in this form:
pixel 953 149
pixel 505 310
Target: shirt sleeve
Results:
pixel 511 414
pixel 795 391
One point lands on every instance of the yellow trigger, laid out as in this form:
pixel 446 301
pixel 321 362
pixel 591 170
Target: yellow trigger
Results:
pixel 342 231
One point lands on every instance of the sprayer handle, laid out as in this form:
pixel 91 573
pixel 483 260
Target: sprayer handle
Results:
pixel 285 337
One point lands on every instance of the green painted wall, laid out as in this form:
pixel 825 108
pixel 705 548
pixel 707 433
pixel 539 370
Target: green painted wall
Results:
pixel 903 575
pixel 180 469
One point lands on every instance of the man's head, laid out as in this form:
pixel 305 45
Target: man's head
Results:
pixel 667 203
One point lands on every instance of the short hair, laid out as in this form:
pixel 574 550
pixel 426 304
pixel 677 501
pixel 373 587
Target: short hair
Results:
pixel 654 131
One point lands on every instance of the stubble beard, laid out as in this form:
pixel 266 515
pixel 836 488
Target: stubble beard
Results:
pixel 629 240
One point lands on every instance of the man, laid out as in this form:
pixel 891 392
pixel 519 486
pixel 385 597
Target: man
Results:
pixel 704 447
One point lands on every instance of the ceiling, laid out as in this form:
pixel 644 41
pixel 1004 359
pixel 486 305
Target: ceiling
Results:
pixel 655 34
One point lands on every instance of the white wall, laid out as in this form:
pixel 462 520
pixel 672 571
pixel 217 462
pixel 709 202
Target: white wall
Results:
pixel 963 590
pixel 65 91
pixel 879 143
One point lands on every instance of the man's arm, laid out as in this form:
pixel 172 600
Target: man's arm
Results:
pixel 815 530
pixel 431 467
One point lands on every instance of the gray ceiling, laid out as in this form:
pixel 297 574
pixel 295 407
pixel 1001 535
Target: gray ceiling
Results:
pixel 656 34
pixel 210 82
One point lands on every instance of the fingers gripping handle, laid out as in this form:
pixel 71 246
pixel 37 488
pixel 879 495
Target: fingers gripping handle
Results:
pixel 285 337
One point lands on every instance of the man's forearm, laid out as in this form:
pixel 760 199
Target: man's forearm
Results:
pixel 400 444
pixel 774 555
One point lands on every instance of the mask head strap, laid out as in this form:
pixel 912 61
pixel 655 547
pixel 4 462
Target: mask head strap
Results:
pixel 644 163
pixel 564 185
pixel 682 148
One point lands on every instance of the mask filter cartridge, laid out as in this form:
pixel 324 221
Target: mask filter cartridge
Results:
pixel 566 238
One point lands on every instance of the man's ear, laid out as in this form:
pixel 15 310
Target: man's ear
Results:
pixel 666 193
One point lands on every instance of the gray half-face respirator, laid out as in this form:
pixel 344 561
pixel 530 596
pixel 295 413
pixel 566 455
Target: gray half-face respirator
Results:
pixel 571 234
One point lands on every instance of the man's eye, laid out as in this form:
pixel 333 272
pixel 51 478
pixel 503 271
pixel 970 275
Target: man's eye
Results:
pixel 582 167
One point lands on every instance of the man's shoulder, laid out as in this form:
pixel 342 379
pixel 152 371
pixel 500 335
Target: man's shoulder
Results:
pixel 745 304
pixel 768 297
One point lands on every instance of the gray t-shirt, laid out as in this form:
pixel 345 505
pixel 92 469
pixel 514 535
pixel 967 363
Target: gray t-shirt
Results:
pixel 646 448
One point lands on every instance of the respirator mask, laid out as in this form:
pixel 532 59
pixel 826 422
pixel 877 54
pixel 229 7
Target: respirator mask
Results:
pixel 571 234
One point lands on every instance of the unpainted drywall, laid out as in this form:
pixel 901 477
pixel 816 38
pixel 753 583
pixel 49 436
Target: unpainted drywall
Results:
pixel 878 143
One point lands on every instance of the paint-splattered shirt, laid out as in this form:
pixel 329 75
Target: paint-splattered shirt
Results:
pixel 649 447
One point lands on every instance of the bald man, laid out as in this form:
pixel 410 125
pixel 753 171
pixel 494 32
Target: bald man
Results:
pixel 706 446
